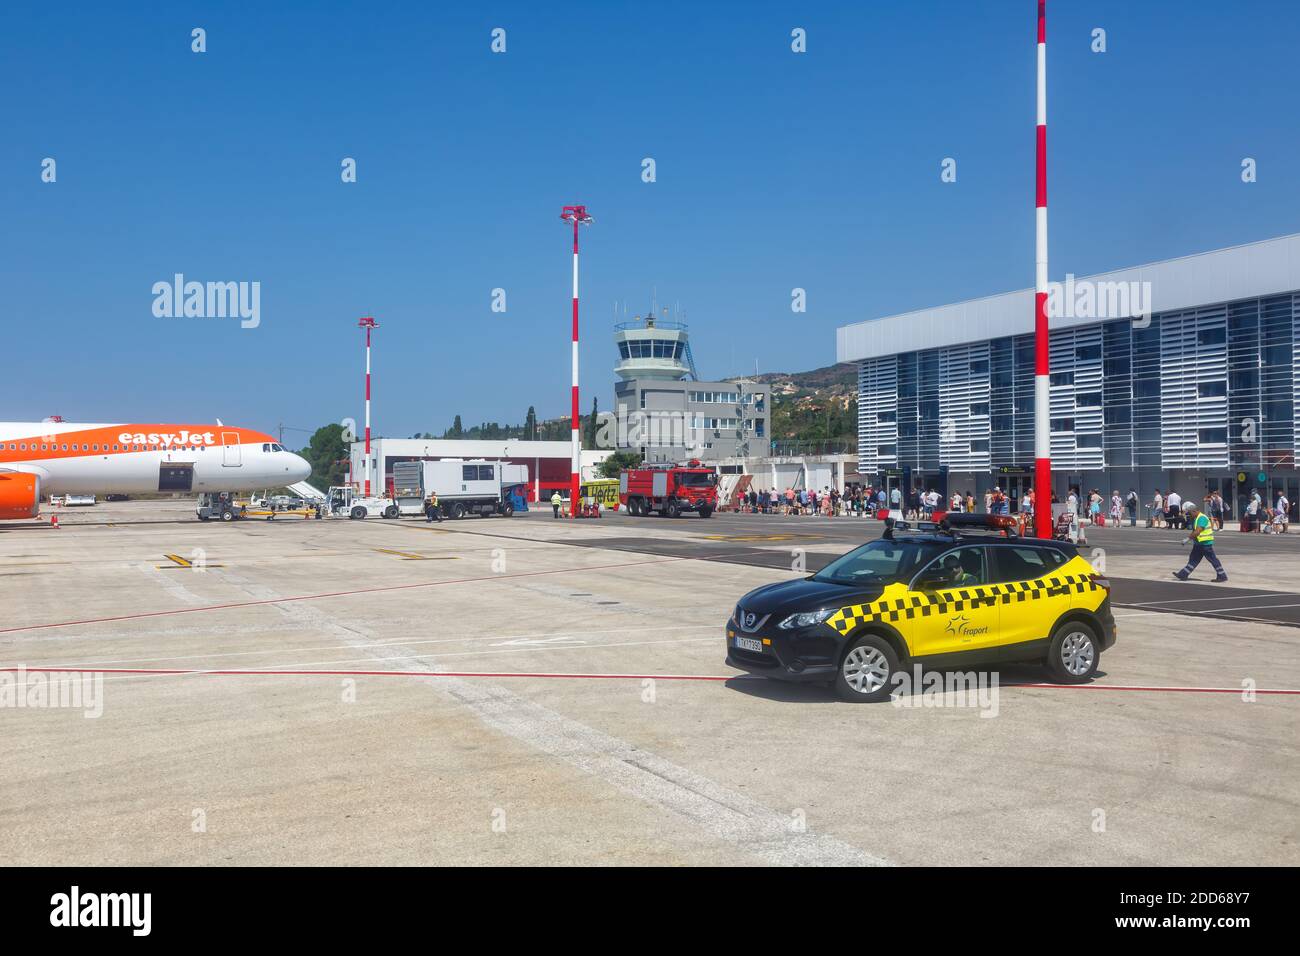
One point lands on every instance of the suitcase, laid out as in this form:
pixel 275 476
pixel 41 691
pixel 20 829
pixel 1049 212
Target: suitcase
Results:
pixel 1101 520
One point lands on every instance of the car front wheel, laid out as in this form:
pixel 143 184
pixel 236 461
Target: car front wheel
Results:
pixel 1072 657
pixel 866 672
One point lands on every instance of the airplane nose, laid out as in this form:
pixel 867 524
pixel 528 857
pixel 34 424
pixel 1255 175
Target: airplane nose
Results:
pixel 300 468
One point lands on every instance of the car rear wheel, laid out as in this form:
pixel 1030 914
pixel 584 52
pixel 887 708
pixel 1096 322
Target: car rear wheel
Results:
pixel 705 511
pixel 671 510
pixel 866 671
pixel 458 510
pixel 358 513
pixel 1072 657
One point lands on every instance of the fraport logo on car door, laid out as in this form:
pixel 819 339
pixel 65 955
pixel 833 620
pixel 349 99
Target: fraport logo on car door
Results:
pixel 962 626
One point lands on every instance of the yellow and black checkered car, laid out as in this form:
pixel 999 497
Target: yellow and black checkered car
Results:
pixel 1012 612
pixel 940 598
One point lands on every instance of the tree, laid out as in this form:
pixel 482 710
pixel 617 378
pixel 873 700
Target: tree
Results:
pixel 611 466
pixel 327 453
pixel 591 423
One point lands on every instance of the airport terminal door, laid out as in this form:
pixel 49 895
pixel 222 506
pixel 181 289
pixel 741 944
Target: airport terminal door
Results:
pixel 892 478
pixel 230 449
pixel 175 477
pixel 1015 484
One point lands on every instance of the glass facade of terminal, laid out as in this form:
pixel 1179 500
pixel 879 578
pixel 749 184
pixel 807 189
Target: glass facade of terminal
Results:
pixel 1200 394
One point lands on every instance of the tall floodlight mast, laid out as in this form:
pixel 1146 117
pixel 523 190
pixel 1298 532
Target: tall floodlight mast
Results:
pixel 578 216
pixel 1042 365
pixel 368 324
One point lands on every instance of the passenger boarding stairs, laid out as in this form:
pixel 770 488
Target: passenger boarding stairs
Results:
pixel 307 491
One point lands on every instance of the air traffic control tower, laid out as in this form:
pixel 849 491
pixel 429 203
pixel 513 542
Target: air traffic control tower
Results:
pixel 666 413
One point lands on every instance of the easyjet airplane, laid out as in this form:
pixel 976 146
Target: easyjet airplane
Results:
pixel 75 458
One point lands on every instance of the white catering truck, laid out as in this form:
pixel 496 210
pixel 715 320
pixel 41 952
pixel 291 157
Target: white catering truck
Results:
pixel 463 486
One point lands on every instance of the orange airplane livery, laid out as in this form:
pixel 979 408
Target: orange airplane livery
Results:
pixel 76 458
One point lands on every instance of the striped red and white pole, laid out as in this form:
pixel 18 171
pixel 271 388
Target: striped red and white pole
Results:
pixel 1042 365
pixel 575 466
pixel 578 216
pixel 367 492
pixel 367 323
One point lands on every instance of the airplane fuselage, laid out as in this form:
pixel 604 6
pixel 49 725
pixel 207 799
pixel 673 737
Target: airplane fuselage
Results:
pixel 80 458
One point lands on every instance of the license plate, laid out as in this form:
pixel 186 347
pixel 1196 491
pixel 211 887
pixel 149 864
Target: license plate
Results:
pixel 749 644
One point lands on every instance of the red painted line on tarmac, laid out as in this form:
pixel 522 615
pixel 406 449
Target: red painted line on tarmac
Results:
pixel 174 672
pixel 354 673
pixel 329 594
pixel 1156 688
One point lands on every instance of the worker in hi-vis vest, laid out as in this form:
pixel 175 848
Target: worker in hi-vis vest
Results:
pixel 556 502
pixel 1202 539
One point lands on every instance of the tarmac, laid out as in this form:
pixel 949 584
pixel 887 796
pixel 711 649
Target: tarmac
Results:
pixel 530 691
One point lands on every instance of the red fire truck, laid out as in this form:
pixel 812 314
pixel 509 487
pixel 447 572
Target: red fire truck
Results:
pixel 669 489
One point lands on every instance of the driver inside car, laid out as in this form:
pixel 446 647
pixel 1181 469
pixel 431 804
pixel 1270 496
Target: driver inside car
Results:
pixel 957 575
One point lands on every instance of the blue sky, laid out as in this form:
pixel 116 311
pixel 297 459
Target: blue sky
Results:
pixel 775 170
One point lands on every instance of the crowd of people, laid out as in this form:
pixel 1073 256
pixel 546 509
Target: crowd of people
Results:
pixel 857 500
pixel 1165 510
pixel 1170 511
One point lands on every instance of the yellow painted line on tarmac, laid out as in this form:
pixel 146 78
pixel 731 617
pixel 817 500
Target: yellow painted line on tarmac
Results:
pixel 179 562
pixel 758 537
pixel 408 556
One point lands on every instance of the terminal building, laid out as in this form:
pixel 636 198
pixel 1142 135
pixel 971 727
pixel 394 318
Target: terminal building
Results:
pixel 665 413
pixel 1182 374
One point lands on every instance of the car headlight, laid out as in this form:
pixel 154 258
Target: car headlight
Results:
pixel 806 618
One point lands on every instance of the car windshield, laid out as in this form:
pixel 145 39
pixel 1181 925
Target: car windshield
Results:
pixel 880 562
pixel 695 478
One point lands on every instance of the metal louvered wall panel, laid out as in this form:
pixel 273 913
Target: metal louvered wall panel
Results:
pixel 1193 416
pixel 877 414
pixel 1076 399
pixel 964 407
